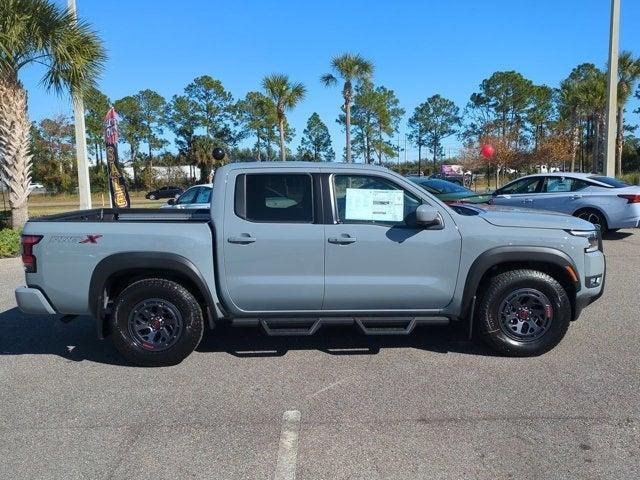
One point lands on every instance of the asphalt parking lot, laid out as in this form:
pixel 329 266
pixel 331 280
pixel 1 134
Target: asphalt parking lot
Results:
pixel 424 406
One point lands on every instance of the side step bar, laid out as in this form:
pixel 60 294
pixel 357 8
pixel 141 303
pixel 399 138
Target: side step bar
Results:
pixel 368 325
pixel 277 327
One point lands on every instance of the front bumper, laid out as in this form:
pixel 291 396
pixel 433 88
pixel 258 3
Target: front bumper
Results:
pixel 32 300
pixel 594 265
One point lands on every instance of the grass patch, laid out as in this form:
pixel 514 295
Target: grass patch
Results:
pixel 44 204
pixel 9 242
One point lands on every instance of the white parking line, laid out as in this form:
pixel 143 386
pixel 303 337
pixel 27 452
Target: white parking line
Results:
pixel 288 449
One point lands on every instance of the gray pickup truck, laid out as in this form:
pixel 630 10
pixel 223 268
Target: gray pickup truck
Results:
pixel 294 246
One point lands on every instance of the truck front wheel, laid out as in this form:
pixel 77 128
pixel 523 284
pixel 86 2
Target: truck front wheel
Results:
pixel 523 313
pixel 156 322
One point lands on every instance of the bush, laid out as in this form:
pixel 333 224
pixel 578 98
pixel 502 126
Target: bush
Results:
pixel 631 178
pixel 9 242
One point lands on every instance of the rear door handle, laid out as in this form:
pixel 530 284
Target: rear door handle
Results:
pixel 242 239
pixel 342 240
pixel 527 200
pixel 576 197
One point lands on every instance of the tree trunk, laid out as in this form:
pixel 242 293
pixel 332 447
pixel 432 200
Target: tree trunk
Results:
pixel 619 140
pixel 267 150
pixel 15 159
pixel 435 150
pixel 95 149
pixel 258 146
pixel 347 111
pixel 594 145
pixel 283 151
pixel 574 143
pixel 419 159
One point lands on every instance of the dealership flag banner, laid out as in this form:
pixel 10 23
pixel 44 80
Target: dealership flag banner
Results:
pixel 117 184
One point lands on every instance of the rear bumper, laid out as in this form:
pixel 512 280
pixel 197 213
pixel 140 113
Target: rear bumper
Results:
pixel 32 300
pixel 629 217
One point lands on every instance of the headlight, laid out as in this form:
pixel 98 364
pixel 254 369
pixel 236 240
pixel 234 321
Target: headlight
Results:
pixel 592 237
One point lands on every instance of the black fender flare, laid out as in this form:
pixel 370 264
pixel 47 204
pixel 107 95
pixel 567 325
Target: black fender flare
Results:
pixel 139 262
pixel 510 254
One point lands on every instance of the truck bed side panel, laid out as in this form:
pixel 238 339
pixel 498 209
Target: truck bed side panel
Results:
pixel 69 252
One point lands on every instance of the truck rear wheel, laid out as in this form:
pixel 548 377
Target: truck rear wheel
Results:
pixel 156 322
pixel 523 313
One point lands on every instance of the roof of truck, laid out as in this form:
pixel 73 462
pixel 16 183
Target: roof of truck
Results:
pixel 308 165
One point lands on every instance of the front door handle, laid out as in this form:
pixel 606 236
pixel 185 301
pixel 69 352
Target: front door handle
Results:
pixel 527 200
pixel 342 240
pixel 242 239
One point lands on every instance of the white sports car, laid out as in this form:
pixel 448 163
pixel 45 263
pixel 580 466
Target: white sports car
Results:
pixel 604 201
pixel 196 197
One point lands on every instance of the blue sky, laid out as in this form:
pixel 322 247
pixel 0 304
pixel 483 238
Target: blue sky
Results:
pixel 419 48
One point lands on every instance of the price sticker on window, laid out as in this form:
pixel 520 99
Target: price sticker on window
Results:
pixel 374 205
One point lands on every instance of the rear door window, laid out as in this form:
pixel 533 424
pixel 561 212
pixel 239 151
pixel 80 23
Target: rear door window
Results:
pixel 286 198
pixel 563 184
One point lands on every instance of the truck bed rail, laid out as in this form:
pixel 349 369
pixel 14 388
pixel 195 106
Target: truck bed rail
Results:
pixel 129 215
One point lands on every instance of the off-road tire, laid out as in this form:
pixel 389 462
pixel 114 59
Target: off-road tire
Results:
pixel 496 291
pixel 157 288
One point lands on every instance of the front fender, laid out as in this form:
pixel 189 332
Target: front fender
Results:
pixel 511 254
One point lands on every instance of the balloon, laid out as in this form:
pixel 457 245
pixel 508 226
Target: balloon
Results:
pixel 487 151
pixel 218 153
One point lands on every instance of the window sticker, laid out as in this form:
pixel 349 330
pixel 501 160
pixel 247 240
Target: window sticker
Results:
pixel 375 205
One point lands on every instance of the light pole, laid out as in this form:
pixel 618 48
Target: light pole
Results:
pixel 84 187
pixel 612 90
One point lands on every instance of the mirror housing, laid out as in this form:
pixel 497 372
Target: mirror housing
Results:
pixel 427 216
pixel 171 201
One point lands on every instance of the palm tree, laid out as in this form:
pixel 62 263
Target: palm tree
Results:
pixel 350 68
pixel 37 32
pixel 628 76
pixel 285 95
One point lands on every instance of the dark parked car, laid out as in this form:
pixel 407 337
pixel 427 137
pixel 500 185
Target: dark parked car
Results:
pixel 458 179
pixel 164 192
pixel 449 192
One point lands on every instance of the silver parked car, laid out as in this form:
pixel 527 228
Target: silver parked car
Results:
pixel 195 197
pixel 604 201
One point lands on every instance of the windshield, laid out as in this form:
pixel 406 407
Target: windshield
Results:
pixel 612 182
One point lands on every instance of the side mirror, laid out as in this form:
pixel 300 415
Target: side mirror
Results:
pixel 171 201
pixel 427 216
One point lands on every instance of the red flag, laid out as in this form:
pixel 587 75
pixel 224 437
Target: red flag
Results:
pixel 111 127
pixel 117 183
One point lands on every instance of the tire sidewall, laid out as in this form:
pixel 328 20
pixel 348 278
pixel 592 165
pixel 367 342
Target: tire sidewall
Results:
pixel 181 298
pixel 559 321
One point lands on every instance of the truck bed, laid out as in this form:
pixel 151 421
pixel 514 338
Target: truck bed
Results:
pixel 129 215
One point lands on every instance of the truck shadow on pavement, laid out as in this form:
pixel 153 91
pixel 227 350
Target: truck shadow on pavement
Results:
pixel 336 340
pixel 77 341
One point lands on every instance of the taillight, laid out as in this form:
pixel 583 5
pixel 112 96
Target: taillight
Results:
pixel 632 198
pixel 28 258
